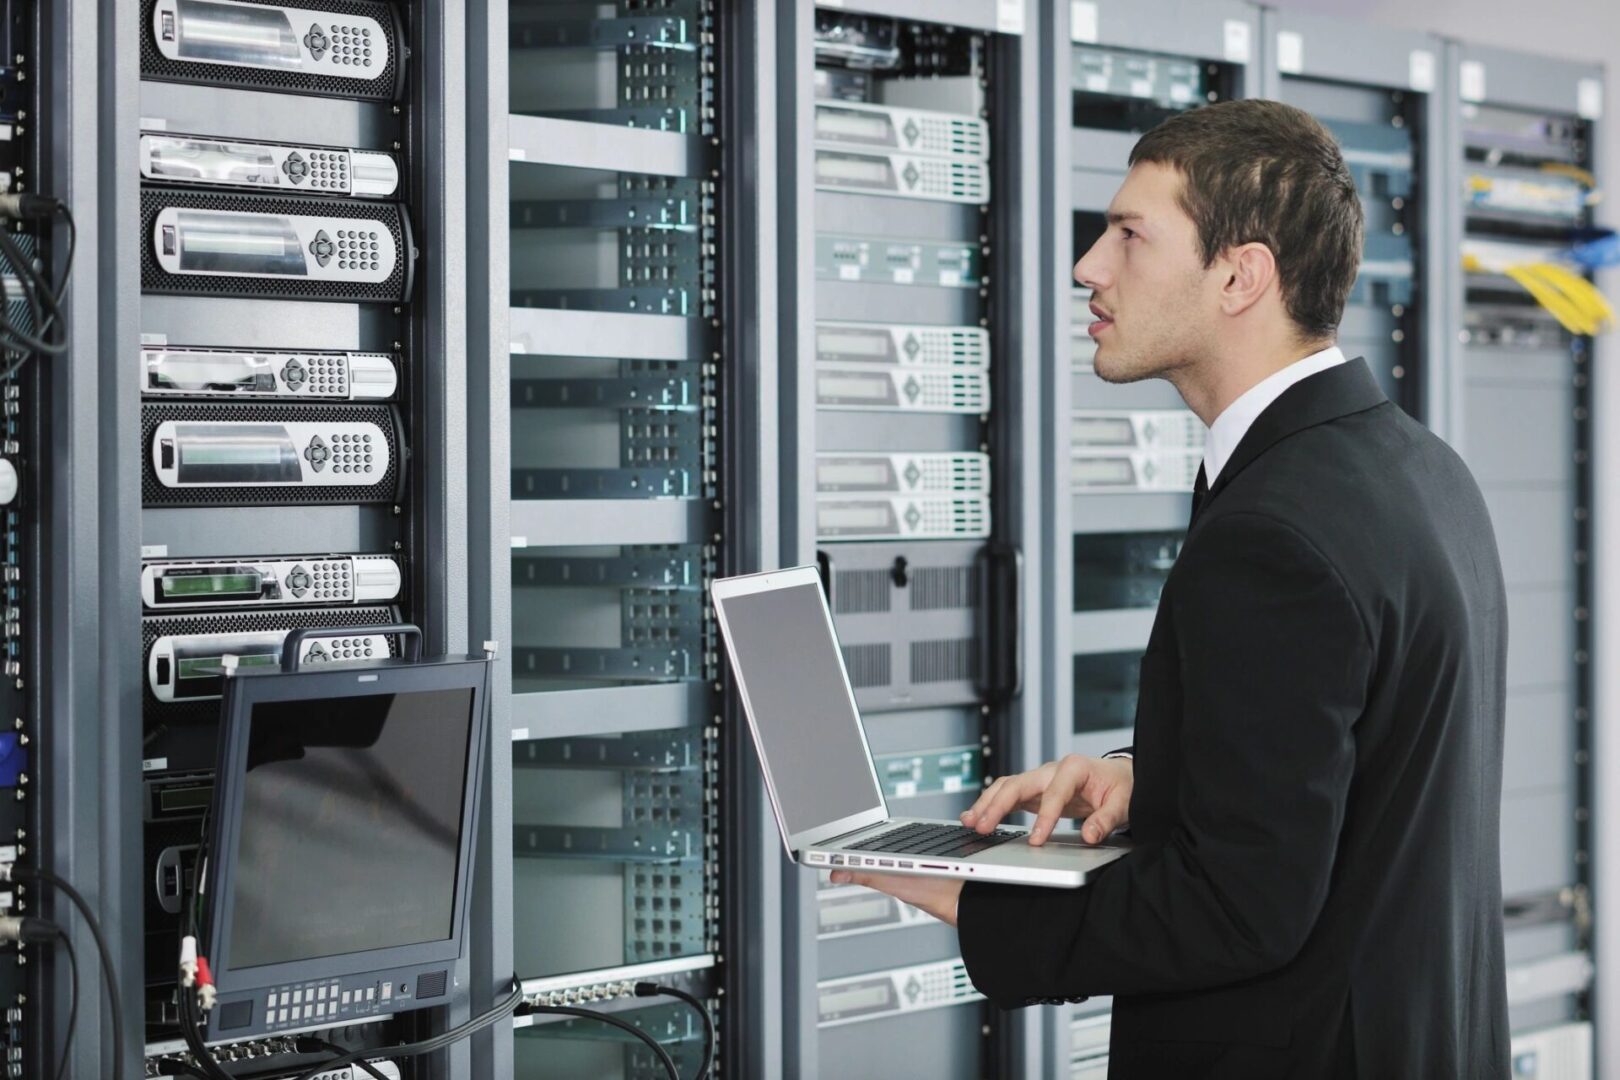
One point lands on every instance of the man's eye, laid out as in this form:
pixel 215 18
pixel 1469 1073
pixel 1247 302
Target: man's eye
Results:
pixel 1129 234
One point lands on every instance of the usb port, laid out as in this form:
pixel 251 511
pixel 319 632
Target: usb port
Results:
pixel 885 862
pixel 838 860
pixel 905 864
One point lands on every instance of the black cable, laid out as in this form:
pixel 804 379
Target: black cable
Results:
pixel 606 1018
pixel 190 1030
pixel 426 1046
pixel 108 970
pixel 73 1003
pixel 647 989
pixel 333 1048
pixel 38 293
pixel 34 284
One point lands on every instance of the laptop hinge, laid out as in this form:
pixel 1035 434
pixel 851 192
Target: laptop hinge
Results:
pixel 831 841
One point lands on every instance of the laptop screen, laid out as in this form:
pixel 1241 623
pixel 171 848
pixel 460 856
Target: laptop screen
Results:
pixel 809 732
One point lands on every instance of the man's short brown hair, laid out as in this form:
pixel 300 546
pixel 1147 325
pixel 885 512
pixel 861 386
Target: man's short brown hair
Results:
pixel 1264 172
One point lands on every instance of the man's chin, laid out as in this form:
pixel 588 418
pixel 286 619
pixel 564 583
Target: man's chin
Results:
pixel 1117 370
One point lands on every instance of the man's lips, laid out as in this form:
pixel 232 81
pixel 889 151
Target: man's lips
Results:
pixel 1104 321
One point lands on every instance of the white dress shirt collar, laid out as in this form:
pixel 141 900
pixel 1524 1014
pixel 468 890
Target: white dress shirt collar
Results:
pixel 1233 423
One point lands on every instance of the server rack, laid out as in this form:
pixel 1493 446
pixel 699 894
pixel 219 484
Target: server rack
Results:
pixel 908 470
pixel 337 354
pixel 1524 130
pixel 1378 91
pixel 1120 461
pixel 616 383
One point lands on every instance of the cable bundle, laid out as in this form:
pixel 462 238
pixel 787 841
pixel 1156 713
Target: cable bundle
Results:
pixel 1568 297
pixel 46 331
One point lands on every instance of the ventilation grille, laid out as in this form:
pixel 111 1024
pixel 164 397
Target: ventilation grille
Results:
pixel 862 592
pixel 387 86
pixel 937 587
pixel 948 660
pixel 154 279
pixel 868 665
pixel 154 493
pixel 430 985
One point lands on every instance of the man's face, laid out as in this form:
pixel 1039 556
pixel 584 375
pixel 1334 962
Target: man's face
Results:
pixel 1154 301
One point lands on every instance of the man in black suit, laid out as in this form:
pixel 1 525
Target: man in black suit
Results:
pixel 1315 889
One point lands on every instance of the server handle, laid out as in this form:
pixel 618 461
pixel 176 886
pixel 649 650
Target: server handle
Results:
pixel 1001 613
pixel 296 638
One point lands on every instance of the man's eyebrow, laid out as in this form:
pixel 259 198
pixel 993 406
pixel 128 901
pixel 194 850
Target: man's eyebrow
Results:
pixel 1119 217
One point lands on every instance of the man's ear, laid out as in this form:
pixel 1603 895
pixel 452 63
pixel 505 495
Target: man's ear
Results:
pixel 1251 269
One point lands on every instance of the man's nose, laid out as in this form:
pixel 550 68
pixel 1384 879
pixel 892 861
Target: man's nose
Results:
pixel 1090 271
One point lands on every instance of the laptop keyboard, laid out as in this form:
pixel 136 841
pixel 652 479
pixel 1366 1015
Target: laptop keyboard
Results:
pixel 933 841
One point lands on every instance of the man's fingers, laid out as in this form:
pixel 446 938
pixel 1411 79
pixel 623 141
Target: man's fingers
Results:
pixel 982 803
pixel 1071 772
pixel 1010 792
pixel 1108 817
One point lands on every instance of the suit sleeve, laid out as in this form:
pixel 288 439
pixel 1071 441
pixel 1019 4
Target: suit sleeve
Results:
pixel 1274 661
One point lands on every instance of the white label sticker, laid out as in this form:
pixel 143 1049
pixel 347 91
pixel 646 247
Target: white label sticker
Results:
pixel 156 764
pixel 1181 92
pixel 520 541
pixel 154 551
pixel 1141 88
pixel 1236 49
pixel 903 275
pixel 1471 80
pixel 1290 52
pixel 154 123
pixel 829 3
pixel 1589 99
pixel 950 277
pixel 1083 22
pixel 848 272
pixel 905 789
pixel 154 339
pixel 520 734
pixel 1010 16
pixel 1097 84
pixel 517 153
pixel 953 783
pixel 1420 71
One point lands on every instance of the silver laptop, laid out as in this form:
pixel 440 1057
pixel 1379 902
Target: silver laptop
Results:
pixel 818 768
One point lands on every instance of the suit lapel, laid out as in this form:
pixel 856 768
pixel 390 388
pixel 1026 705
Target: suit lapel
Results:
pixel 1339 391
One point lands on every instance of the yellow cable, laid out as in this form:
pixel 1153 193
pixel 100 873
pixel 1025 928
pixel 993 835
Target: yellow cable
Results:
pixel 1567 314
pixel 1578 291
pixel 1581 290
pixel 1574 172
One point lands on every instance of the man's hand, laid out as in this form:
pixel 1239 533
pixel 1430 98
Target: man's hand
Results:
pixel 936 896
pixel 1097 789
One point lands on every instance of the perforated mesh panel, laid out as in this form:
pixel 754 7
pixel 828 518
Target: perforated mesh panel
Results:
pixel 868 665
pixel 945 660
pixel 154 279
pixel 206 710
pixel 858 592
pixel 154 493
pixel 936 588
pixel 388 85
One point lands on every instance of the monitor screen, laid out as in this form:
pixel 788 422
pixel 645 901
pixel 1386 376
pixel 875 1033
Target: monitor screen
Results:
pixel 350 826
pixel 809 731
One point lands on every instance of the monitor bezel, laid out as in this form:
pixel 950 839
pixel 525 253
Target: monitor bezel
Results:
pixel 245 690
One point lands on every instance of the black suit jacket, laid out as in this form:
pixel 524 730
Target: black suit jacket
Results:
pixel 1315 890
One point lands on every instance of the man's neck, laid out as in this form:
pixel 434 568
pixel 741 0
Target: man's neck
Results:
pixel 1210 387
